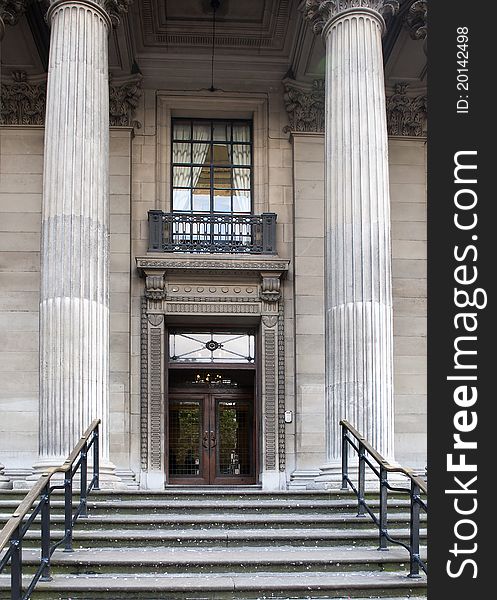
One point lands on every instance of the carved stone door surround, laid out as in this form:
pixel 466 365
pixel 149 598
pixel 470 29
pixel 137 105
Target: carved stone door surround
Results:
pixel 235 289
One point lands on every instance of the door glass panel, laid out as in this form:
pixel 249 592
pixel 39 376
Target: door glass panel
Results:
pixel 185 444
pixel 212 347
pixel 234 438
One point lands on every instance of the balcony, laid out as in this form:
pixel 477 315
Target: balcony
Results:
pixel 212 233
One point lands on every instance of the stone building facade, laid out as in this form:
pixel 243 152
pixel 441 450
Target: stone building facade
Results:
pixel 212 236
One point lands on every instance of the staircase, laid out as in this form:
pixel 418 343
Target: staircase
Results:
pixel 216 544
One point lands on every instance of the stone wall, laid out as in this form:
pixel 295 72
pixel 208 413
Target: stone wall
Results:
pixel 408 209
pixel 21 168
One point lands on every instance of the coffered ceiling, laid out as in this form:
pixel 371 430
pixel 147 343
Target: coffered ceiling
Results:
pixel 257 43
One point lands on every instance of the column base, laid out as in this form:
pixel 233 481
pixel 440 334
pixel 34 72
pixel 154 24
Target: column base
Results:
pixel 108 479
pixel 152 480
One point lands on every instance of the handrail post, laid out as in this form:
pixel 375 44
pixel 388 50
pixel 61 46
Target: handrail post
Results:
pixel 45 533
pixel 96 458
pixel 83 495
pixel 16 565
pixel 361 485
pixel 68 510
pixel 345 458
pixel 414 532
pixel 383 508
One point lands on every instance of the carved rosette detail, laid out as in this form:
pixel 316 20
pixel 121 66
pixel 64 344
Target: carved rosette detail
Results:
pixel 304 105
pixel 123 100
pixel 319 12
pixel 406 115
pixel 417 20
pixel 11 10
pixel 23 102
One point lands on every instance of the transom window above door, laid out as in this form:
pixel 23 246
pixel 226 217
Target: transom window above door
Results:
pixel 212 166
pixel 211 347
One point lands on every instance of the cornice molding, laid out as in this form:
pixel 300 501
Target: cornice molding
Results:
pixel 23 102
pixel 417 20
pixel 304 104
pixel 321 12
pixel 406 115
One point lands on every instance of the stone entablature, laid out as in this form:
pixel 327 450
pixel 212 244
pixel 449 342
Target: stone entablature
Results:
pixel 239 289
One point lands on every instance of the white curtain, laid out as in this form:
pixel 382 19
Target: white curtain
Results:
pixel 200 132
pixel 241 156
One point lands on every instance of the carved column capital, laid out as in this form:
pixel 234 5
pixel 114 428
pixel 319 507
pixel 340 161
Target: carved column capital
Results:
pixel 417 20
pixel 10 11
pixel 123 100
pixel 406 115
pixel 114 9
pixel 22 101
pixel 321 13
pixel 271 287
pixel 305 105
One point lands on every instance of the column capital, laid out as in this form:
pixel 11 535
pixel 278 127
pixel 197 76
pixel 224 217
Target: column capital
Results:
pixel 114 9
pixel 10 11
pixel 417 20
pixel 321 13
pixel 304 104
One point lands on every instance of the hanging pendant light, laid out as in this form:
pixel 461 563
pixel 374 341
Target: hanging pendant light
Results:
pixel 215 4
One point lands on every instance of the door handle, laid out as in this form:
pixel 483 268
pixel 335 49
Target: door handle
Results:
pixel 205 439
pixel 213 439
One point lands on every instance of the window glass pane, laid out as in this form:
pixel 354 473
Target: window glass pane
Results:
pixel 201 154
pixel 241 154
pixel 182 177
pixel 222 203
pixel 181 200
pixel 182 130
pixel 241 202
pixel 222 177
pixel 241 132
pixel 201 200
pixel 221 131
pixel 201 131
pixel 212 347
pixel 221 154
pixel 182 153
pixel 201 177
pixel 241 178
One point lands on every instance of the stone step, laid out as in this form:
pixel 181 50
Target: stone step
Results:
pixel 220 538
pixel 232 586
pixel 203 506
pixel 227 520
pixel 283 559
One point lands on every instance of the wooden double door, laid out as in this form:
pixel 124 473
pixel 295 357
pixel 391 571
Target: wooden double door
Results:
pixel 211 438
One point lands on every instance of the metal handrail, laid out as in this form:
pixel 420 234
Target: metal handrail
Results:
pixel 383 468
pixel 14 530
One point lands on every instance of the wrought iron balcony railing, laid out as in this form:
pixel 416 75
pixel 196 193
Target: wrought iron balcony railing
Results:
pixel 212 233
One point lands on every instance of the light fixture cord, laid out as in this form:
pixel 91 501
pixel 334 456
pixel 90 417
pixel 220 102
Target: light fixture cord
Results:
pixel 215 6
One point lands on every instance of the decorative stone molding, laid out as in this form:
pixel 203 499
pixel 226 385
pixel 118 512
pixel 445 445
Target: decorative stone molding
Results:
pixel 123 100
pixel 115 9
pixel 406 115
pixel 23 102
pixel 270 289
pixel 212 265
pixel 281 386
pixel 321 12
pixel 155 287
pixel 10 11
pixel 304 105
pixel 144 385
pixel 417 20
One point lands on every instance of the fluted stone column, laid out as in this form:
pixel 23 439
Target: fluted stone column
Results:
pixel 358 301
pixel 74 303
pixel 10 10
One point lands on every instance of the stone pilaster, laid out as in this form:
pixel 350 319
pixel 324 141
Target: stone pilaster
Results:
pixel 74 302
pixel 358 287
